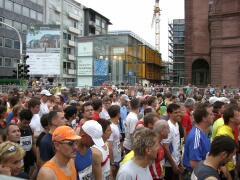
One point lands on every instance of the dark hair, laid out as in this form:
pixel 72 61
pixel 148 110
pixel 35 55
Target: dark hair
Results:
pixel 134 103
pixel 222 144
pixel 86 104
pixel 148 118
pixel 113 111
pixel 168 95
pixel 51 115
pixel 147 110
pixel 3 134
pixel 151 100
pixel 159 95
pixel 104 123
pixel 13 100
pixel 200 112
pixel 96 104
pixel 3 109
pixel 106 99
pixel 44 120
pixel 92 94
pixel 217 105
pixel 172 107
pixel 33 102
pixel 25 114
pixel 229 112
pixel 143 102
pixel 69 111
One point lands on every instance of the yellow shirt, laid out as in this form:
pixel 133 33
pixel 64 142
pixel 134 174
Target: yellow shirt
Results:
pixel 216 125
pixel 127 157
pixel 227 130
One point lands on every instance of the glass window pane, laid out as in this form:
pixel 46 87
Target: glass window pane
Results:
pixel 1 3
pixel 9 22
pixel 40 17
pixel 24 28
pixel 7 61
pixel 8 43
pixel 17 25
pixel 16 45
pixel 1 61
pixel 25 11
pixel 17 8
pixel 103 25
pixel 8 5
pixel 1 41
pixel 15 61
pixel 40 2
pixel 32 14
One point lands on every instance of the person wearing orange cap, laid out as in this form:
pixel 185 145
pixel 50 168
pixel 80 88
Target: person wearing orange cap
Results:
pixel 61 166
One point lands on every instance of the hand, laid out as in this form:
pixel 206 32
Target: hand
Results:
pixel 113 168
pixel 176 169
pixel 5 170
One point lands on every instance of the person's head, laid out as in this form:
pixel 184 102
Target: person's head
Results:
pixel 3 110
pixel 145 143
pixel 134 104
pixel 91 133
pixel 13 101
pixel 25 117
pixel 56 119
pixel 174 112
pixel 124 99
pixel 65 141
pixel 2 136
pixel 70 112
pixel 34 105
pixel 106 102
pixel 224 147
pixel 44 121
pixel 168 96
pixel 203 113
pixel 150 119
pixel 162 128
pixel 38 93
pixel 106 128
pixel 87 110
pixel 152 101
pixel 231 115
pixel 16 110
pixel 143 103
pixel 97 104
pixel 12 132
pixel 11 155
pixel 45 95
pixel 93 96
pixel 189 104
pixel 219 106
pixel 114 111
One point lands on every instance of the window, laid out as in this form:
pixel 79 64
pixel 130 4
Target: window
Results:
pixel 32 14
pixel 1 41
pixel 69 8
pixel 69 36
pixel 97 22
pixel 8 43
pixel 8 5
pixel 64 35
pixel 24 28
pixel 24 46
pixel 40 17
pixel 40 2
pixel 15 62
pixel 103 25
pixel 17 25
pixel 25 11
pixel 9 22
pixel 75 24
pixel 16 45
pixel 76 11
pixel 1 20
pixel 17 8
pixel 7 62
pixel 1 3
pixel 1 61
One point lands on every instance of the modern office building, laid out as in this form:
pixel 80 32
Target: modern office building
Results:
pixel 19 14
pixel 176 51
pixel 212 46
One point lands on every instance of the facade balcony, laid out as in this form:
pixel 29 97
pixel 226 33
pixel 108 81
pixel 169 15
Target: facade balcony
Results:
pixel 71 71
pixel 71 57
pixel 74 16
pixel 92 24
pixel 74 30
pixel 91 34
pixel 58 22
pixel 71 43
pixel 58 8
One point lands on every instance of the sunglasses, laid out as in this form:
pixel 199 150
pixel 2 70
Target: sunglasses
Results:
pixel 10 149
pixel 69 143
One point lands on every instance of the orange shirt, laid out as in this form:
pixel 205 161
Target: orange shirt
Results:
pixel 59 173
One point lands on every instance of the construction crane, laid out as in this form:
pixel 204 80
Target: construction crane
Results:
pixel 156 19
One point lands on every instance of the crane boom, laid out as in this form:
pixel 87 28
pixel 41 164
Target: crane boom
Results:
pixel 156 18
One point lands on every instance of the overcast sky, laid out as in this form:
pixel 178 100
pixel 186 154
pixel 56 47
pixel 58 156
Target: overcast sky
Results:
pixel 136 15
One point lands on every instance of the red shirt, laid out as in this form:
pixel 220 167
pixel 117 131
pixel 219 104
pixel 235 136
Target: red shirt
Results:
pixel 95 116
pixel 186 122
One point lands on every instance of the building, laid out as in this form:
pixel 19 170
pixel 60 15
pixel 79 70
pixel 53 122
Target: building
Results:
pixel 19 14
pixel 212 46
pixel 118 57
pixel 176 50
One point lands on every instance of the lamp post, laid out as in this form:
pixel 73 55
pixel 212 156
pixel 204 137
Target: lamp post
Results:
pixel 20 40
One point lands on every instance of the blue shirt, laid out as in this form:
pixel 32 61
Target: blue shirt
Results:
pixel 123 116
pixel 46 147
pixel 9 117
pixel 196 147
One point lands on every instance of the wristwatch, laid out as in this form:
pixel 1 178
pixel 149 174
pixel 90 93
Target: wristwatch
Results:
pixel 112 164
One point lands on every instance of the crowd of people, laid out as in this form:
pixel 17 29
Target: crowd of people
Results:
pixel 151 133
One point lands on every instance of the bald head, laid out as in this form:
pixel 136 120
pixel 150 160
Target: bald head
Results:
pixel 162 128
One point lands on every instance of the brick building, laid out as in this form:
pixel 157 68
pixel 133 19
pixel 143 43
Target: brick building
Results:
pixel 212 42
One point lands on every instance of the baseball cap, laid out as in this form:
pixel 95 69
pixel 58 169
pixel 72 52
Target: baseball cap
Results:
pixel 224 100
pixel 94 130
pixel 73 102
pixel 125 97
pixel 212 100
pixel 69 111
pixel 45 92
pixel 64 133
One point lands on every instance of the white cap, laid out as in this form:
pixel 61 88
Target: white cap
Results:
pixel 94 130
pixel 125 97
pixel 224 100
pixel 45 92
pixel 212 100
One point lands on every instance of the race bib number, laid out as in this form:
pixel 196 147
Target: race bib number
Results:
pixel 162 164
pixel 85 174
pixel 118 147
pixel 26 143
pixel 106 175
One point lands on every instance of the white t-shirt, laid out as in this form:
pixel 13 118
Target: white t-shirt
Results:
pixel 43 109
pixel 174 141
pixel 104 114
pixel 115 138
pixel 36 125
pixel 130 124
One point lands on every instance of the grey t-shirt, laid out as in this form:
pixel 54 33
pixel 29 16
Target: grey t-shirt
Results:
pixel 131 171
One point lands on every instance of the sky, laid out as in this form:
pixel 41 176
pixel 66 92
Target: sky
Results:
pixel 136 16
